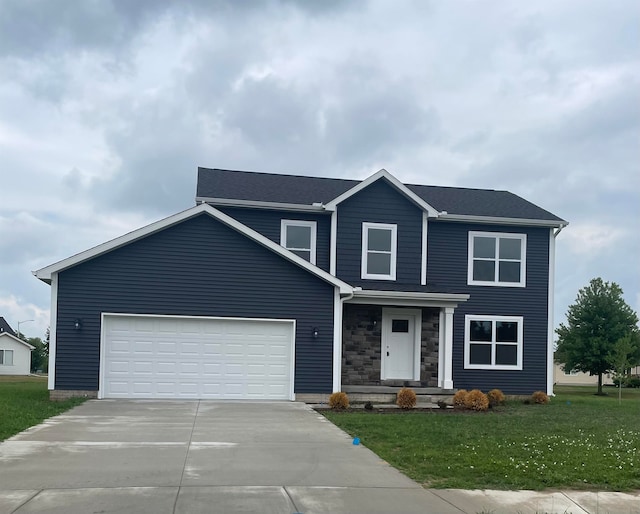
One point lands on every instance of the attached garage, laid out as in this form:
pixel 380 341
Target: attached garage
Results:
pixel 196 357
pixel 194 306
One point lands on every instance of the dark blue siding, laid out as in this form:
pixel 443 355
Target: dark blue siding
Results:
pixel 199 267
pixel 447 268
pixel 267 223
pixel 379 203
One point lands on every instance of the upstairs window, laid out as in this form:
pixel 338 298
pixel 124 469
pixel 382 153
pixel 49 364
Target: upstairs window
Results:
pixel 497 259
pixel 6 357
pixel 493 342
pixel 300 238
pixel 379 241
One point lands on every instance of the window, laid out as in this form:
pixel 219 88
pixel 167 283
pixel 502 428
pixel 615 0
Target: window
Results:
pixel 379 251
pixel 493 342
pixel 300 238
pixel 6 357
pixel 497 259
pixel 400 325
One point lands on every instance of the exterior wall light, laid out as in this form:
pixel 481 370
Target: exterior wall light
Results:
pixel 315 332
pixel 77 324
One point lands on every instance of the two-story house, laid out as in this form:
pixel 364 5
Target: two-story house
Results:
pixel 293 287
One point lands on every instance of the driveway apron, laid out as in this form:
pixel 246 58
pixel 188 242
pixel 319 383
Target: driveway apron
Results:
pixel 199 456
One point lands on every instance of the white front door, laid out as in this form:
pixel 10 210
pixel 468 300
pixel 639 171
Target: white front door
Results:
pixel 401 344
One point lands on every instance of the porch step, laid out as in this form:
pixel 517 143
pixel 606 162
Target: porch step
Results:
pixel 388 394
pixel 395 389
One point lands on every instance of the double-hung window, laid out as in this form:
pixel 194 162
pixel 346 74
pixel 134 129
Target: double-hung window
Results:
pixel 493 342
pixel 299 237
pixel 379 242
pixel 6 357
pixel 497 259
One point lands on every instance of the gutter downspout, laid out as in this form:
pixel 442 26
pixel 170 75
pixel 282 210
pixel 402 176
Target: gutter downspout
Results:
pixel 550 308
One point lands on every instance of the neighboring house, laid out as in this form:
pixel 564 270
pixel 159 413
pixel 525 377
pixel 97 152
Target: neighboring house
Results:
pixel 15 354
pixel 563 377
pixel 291 287
pixel 572 377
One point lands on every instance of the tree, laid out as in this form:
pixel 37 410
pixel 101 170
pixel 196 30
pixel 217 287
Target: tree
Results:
pixel 621 357
pixel 40 355
pixel 597 320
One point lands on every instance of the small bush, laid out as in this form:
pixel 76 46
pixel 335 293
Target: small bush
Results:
pixel 368 406
pixel 406 398
pixel 629 381
pixel 633 381
pixel 476 400
pixel 459 397
pixel 339 401
pixel 540 397
pixel 442 404
pixel 496 397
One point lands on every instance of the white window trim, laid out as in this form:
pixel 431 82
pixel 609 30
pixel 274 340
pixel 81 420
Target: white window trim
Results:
pixel 467 342
pixel 300 223
pixel 496 282
pixel 4 358
pixel 394 250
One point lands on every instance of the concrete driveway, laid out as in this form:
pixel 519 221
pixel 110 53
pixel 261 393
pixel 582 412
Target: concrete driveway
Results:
pixel 199 456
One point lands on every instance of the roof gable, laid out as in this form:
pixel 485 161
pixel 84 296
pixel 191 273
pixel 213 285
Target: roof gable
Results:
pixel 16 339
pixel 394 182
pixel 45 274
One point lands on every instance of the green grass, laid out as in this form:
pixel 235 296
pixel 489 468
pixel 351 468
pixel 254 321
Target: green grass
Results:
pixel 24 402
pixel 577 441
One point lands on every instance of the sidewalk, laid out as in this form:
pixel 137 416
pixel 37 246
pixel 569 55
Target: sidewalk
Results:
pixel 537 502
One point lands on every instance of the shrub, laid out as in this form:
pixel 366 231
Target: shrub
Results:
pixel 476 400
pixel 628 381
pixel 442 404
pixel 459 397
pixel 540 397
pixel 339 401
pixel 406 398
pixel 368 406
pixel 496 397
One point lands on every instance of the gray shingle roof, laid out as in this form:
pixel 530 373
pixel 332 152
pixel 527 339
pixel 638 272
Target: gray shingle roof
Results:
pixel 4 327
pixel 301 190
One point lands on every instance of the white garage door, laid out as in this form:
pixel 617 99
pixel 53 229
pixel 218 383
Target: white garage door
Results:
pixel 181 357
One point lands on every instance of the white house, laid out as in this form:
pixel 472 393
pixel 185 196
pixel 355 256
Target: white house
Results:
pixel 15 355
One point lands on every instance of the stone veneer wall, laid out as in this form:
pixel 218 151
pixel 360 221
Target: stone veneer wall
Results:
pixel 429 351
pixel 362 346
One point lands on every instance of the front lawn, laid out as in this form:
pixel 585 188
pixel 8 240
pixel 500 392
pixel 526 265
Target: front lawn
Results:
pixel 24 402
pixel 578 441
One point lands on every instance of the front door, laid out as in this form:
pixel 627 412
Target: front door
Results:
pixel 401 344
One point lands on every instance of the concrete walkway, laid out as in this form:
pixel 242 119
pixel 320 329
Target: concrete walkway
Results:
pixel 190 457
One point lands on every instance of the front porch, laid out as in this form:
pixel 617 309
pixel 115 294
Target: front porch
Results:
pixel 390 342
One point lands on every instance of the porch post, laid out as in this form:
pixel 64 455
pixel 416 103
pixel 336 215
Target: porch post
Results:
pixel 337 341
pixel 441 349
pixel 447 381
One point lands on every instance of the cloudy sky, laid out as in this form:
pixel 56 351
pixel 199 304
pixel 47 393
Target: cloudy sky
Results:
pixel 108 107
